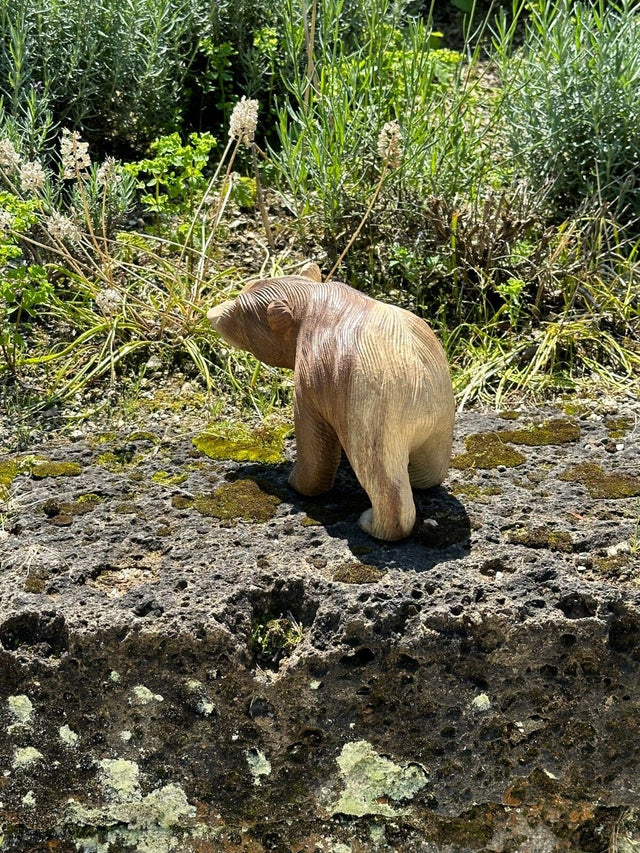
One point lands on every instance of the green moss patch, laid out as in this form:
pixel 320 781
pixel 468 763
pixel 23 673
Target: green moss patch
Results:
pixel 509 415
pixel 619 427
pixel 356 572
pixel 143 435
pixel 55 469
pixel 181 502
pixel 9 470
pixel 542 537
pixel 59 512
pixel 119 459
pixel 601 484
pixel 243 443
pixel 242 499
pixel 272 639
pixel 613 566
pixel 480 494
pixel 558 431
pixel 166 479
pixel 487 450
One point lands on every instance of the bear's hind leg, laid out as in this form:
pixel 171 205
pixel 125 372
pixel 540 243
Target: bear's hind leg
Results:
pixel 317 453
pixel 429 463
pixel 393 511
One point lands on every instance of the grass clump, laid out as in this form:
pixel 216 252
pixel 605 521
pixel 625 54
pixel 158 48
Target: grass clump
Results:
pixel 274 638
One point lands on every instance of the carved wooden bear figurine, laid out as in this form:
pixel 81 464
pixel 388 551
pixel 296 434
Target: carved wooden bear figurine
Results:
pixel 368 376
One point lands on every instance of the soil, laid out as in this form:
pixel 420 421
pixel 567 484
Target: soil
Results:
pixel 195 658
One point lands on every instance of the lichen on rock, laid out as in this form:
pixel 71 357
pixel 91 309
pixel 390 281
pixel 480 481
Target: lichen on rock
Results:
pixel 370 780
pixel 151 823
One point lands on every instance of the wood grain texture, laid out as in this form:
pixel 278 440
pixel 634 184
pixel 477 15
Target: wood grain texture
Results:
pixel 368 376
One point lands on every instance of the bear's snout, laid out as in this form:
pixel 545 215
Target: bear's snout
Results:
pixel 215 314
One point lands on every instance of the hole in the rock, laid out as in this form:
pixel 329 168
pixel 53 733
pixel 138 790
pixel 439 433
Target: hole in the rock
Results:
pixel 578 606
pixel 360 657
pixel 35 629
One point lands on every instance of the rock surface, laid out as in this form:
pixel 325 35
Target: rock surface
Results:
pixel 194 658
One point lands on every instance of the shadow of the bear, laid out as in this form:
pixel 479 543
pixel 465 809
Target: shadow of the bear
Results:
pixel 442 530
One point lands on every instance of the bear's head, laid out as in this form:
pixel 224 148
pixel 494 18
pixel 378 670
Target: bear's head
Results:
pixel 264 318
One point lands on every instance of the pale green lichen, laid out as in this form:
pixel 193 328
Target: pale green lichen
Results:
pixel 21 708
pixel 153 823
pixel 204 705
pixel 68 736
pixel 120 778
pixel 114 676
pixel 26 755
pixel 371 780
pixel 142 695
pixel 481 703
pixel 259 765
pixel 125 736
pixel 29 799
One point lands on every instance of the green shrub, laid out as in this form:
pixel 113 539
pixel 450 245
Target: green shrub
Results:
pixel 572 104
pixel 115 69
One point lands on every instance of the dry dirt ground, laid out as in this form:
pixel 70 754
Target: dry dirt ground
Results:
pixel 195 658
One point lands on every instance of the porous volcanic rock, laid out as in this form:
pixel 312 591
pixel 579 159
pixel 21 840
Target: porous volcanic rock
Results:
pixel 179 672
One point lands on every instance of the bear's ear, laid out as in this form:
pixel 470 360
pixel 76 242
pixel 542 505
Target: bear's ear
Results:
pixel 279 317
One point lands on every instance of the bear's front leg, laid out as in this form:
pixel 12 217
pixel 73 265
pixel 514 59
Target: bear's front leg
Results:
pixel 318 452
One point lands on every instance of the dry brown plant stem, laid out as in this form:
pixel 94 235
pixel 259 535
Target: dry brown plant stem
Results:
pixel 260 198
pixel 365 216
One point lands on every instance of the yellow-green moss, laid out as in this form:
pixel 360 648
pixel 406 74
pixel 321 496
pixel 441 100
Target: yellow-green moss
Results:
pixel 612 566
pixel 307 521
pixel 243 443
pixel 509 415
pixel 601 484
pixel 9 470
pixel 242 499
pixel 181 502
pixel 558 431
pixel 55 469
pixel 619 427
pixel 81 506
pixel 101 438
pixel 487 450
pixel 473 492
pixel 357 572
pixel 166 479
pixel 272 639
pixel 542 537
pixel 118 460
